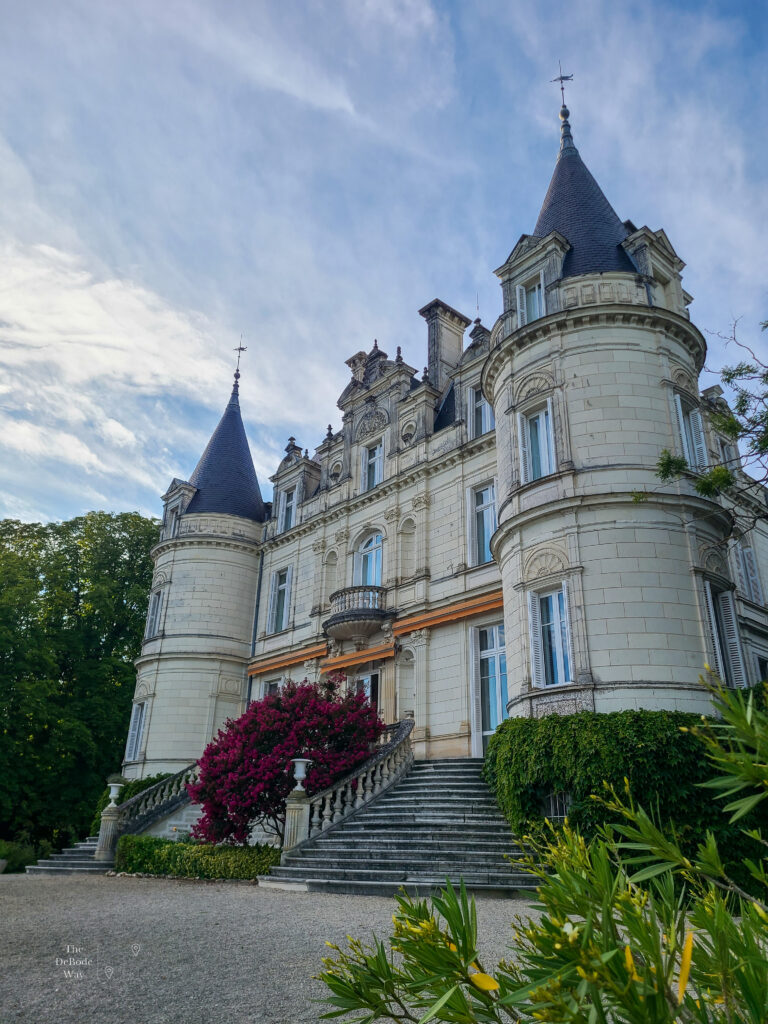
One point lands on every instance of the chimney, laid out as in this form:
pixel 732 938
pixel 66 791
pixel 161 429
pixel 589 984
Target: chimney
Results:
pixel 445 340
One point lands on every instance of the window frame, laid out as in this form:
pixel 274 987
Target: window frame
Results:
pixel 478 405
pixel 136 731
pixel 723 635
pixel 365 549
pixel 288 505
pixel 691 434
pixel 563 638
pixel 547 453
pixel 274 588
pixel 536 285
pixel 473 513
pixel 375 463
pixel 750 585
pixel 154 611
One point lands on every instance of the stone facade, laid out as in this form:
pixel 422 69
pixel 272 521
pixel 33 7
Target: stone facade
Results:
pixel 470 543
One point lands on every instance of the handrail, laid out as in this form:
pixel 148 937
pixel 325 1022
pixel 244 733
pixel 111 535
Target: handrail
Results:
pixel 345 797
pixel 358 598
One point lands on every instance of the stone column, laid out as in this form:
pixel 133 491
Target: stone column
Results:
pixel 296 819
pixel 108 834
pixel 419 642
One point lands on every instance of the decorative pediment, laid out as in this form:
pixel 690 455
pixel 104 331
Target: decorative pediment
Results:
pixel 372 423
pixel 713 560
pixel 683 380
pixel 532 385
pixel 547 561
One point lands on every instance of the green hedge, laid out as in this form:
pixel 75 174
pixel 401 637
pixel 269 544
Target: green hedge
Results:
pixel 155 856
pixel 18 855
pixel 130 789
pixel 528 758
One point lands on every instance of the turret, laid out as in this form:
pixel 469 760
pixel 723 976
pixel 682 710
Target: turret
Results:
pixel 191 671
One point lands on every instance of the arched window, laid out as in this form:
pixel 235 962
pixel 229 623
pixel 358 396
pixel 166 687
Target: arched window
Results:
pixel 368 569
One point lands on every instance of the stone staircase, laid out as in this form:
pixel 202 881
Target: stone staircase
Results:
pixel 72 861
pixel 440 821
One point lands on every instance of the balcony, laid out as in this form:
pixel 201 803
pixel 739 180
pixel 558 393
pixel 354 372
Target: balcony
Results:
pixel 356 612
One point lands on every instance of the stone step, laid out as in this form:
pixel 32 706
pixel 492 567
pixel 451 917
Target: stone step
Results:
pixel 426 818
pixel 425 887
pixel 60 868
pixel 441 803
pixel 436 864
pixel 415 831
pixel 69 858
pixel 363 846
pixel 497 877
pixel 79 848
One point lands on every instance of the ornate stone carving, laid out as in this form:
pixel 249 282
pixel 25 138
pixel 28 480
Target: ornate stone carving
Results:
pixel 230 684
pixel 392 514
pixel 544 562
pixel 418 637
pixel 713 560
pixel 160 579
pixel 319 546
pixel 342 535
pixel 421 501
pixel 386 629
pixel 533 385
pixel 684 380
pixel 372 423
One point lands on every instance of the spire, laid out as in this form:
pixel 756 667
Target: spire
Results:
pixel 576 207
pixel 225 478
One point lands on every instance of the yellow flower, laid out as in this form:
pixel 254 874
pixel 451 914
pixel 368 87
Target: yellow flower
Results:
pixel 484 982
pixel 628 959
pixel 685 967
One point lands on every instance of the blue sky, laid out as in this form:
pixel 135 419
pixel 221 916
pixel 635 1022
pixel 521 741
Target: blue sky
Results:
pixel 310 174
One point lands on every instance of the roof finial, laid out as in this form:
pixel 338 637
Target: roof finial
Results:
pixel 567 147
pixel 240 349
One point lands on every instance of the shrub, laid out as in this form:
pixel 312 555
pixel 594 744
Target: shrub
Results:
pixel 529 758
pixel 129 789
pixel 155 856
pixel 18 855
pixel 246 774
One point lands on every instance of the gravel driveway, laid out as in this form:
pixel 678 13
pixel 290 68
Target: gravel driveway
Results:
pixel 157 951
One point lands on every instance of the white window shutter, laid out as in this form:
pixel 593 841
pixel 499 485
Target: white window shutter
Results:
pixel 522 442
pixel 551 453
pixel 271 625
pixel 521 318
pixel 534 629
pixel 281 511
pixel 737 558
pixel 140 730
pixel 732 639
pixel 470 413
pixel 699 440
pixel 755 590
pixel 287 604
pixel 714 639
pixel 475 697
pixel 130 747
pixel 687 453
pixel 568 633
pixel 543 295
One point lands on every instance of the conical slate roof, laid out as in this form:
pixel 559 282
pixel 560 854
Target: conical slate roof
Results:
pixel 576 207
pixel 224 477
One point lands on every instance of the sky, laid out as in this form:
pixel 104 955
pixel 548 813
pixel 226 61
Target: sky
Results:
pixel 308 174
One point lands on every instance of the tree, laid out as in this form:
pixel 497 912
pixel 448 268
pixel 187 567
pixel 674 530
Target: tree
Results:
pixel 72 609
pixel 245 772
pixel 631 930
pixel 745 425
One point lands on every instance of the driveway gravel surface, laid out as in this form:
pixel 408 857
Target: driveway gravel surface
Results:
pixel 122 950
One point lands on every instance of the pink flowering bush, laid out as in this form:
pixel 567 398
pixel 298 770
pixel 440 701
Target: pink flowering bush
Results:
pixel 246 772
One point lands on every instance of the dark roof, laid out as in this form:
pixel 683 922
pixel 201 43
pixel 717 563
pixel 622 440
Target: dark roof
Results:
pixel 576 207
pixel 446 414
pixel 224 477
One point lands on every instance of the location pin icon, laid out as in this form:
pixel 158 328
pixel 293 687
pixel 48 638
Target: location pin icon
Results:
pixel 109 971
pixel 135 948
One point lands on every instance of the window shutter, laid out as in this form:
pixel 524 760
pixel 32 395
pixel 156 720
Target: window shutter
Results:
pixel 551 453
pixel 737 553
pixel 521 319
pixel 130 747
pixel 380 462
pixel 755 591
pixel 271 626
pixel 522 441
pixel 476 710
pixel 699 441
pixel 732 641
pixel 543 295
pixel 568 634
pixel 534 628
pixel 287 603
pixel 140 730
pixel 470 413
pixel 281 511
pixel 687 453
pixel 714 640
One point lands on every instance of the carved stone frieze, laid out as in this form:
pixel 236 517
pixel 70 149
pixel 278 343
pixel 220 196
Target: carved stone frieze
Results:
pixel 372 423
pixel 318 546
pixel 392 514
pixel 342 535
pixel 421 501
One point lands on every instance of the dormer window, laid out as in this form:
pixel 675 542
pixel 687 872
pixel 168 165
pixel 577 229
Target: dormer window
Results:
pixel 373 465
pixel 531 300
pixel 287 509
pixel 172 522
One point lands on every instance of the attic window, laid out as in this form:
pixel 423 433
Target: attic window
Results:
pixel 531 300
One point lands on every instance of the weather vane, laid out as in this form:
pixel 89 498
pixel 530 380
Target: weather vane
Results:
pixel 562 78
pixel 240 349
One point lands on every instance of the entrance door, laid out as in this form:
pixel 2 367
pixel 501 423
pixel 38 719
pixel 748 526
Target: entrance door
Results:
pixel 369 685
pixel 493 679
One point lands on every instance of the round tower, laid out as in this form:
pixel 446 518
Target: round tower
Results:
pixel 616 588
pixel 192 668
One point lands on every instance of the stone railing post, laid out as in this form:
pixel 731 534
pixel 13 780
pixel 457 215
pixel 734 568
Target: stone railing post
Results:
pixel 296 818
pixel 108 833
